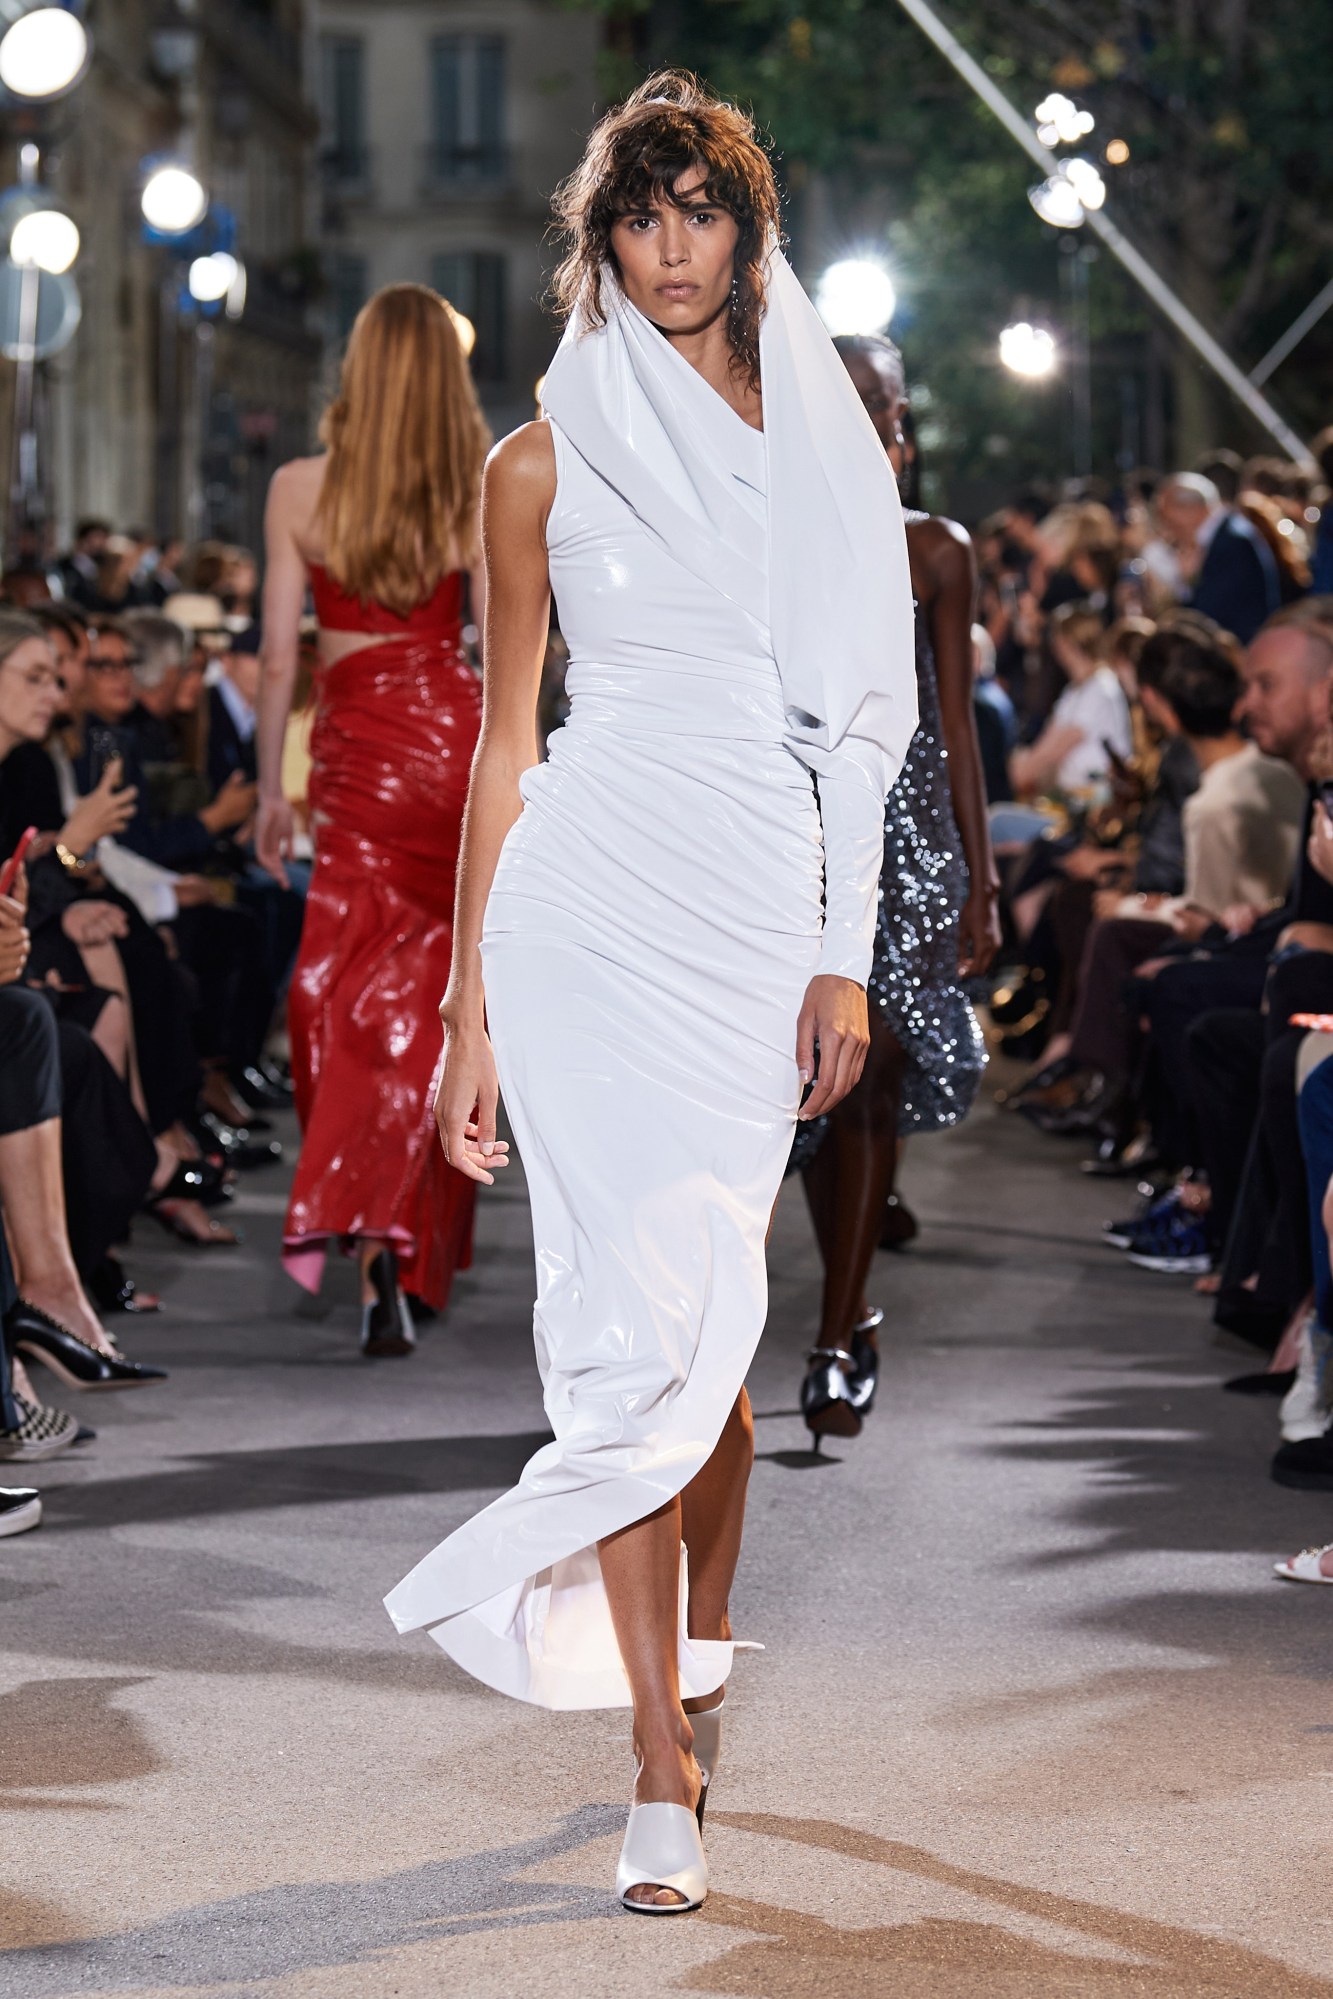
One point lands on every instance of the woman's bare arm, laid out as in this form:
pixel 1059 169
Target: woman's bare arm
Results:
pixel 517 495
pixel 284 601
pixel 951 567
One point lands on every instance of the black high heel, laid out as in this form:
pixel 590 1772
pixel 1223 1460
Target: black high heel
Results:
pixel 838 1392
pixel 826 1395
pixel 30 1330
pixel 387 1331
pixel 865 1357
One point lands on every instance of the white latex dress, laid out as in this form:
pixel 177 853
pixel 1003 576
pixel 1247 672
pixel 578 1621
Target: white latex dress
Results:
pixel 739 617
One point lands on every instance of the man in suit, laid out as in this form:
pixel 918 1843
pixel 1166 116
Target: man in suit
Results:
pixel 231 712
pixel 1226 562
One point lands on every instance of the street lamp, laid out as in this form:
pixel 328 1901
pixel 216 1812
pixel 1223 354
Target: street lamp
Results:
pixel 46 239
pixel 212 277
pixel 1057 201
pixel 173 200
pixel 43 52
pixel 1060 122
pixel 1028 351
pixel 856 295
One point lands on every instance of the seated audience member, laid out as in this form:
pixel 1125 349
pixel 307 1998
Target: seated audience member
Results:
pixel 77 571
pixel 1225 562
pixel 1218 1019
pixel 1240 825
pixel 1305 1458
pixel 98 1156
pixel 996 718
pixel 1088 727
pixel 231 712
pixel 182 840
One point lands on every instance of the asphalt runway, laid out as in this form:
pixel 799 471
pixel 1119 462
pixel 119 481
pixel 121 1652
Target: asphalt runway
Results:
pixel 1033 1718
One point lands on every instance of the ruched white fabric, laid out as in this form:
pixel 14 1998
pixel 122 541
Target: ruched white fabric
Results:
pixel 653 924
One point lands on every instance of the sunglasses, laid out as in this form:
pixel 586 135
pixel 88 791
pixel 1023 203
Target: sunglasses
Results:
pixel 106 663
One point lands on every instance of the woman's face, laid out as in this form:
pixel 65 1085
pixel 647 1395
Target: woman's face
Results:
pixel 676 264
pixel 71 665
pixel 881 390
pixel 29 692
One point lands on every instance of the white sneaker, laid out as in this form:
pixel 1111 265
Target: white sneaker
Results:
pixel 1303 1411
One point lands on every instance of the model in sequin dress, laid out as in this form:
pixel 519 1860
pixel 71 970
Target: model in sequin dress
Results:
pixel 937 925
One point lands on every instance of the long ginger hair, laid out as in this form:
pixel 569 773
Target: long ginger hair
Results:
pixel 406 442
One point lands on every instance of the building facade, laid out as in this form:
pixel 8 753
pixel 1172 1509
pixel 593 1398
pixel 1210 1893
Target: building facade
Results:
pixel 161 413
pixel 444 127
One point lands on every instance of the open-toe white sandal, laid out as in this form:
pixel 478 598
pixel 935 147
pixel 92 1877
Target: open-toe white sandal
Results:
pixel 662 1849
pixel 1305 1567
pixel 707 1745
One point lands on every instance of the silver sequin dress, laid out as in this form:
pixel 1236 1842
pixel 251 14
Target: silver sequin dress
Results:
pixel 914 978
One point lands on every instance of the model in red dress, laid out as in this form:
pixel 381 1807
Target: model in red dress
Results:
pixel 397 717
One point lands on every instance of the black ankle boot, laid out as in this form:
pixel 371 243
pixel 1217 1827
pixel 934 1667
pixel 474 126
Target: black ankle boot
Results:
pixel 386 1326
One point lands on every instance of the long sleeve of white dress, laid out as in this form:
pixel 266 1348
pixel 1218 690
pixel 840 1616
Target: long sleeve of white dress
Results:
pixel 840 595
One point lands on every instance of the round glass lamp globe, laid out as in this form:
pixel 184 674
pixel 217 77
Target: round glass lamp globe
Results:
pixel 46 239
pixel 173 200
pixel 43 53
pixel 211 278
pixel 855 296
pixel 1027 350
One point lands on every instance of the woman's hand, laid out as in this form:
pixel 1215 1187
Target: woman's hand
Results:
pixel 89 923
pixel 103 813
pixel 468 1097
pixel 273 837
pixel 1319 847
pixel 833 1014
pixel 979 935
pixel 231 808
pixel 15 942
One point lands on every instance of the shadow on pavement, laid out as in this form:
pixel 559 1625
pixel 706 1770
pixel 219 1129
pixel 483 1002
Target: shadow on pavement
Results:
pixel 296 1475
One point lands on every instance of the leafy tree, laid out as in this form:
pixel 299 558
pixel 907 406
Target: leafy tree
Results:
pixel 1227 188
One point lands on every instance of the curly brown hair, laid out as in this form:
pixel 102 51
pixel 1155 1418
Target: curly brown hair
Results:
pixel 634 158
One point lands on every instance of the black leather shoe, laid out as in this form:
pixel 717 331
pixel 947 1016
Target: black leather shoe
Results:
pixel 865 1378
pixel 29 1330
pixel 235 1145
pixel 253 1087
pixel 113 1291
pixel 1261 1384
pixel 387 1331
pixel 1307 1466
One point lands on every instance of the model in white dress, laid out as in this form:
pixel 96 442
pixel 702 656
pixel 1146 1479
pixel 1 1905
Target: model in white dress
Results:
pixel 738 614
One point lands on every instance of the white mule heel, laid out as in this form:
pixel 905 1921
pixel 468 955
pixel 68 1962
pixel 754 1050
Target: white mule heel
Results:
pixel 707 1746
pixel 662 1849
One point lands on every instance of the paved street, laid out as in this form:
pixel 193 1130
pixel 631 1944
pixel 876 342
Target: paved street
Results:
pixel 1032 1719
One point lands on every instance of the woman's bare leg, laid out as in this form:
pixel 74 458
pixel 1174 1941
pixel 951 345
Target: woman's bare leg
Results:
pixel 712 1517
pixel 849 1180
pixel 32 1193
pixel 106 968
pixel 641 1572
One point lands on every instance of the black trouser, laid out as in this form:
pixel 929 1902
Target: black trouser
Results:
pixel 1256 1168
pixel 160 1005
pixel 107 1157
pixel 1173 1001
pixel 234 993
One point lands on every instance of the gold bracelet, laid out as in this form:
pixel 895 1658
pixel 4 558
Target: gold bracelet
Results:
pixel 73 863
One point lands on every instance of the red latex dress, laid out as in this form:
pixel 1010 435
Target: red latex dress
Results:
pixel 395 729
